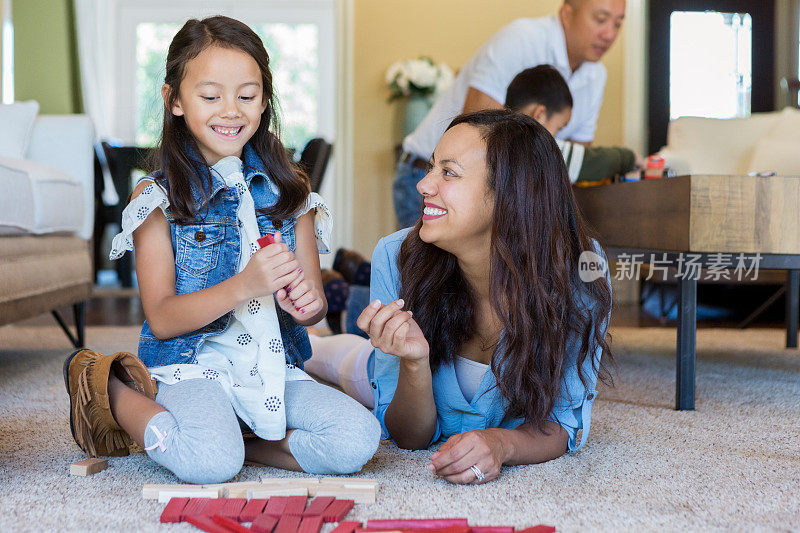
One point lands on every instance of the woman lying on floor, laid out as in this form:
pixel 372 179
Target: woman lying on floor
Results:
pixel 484 334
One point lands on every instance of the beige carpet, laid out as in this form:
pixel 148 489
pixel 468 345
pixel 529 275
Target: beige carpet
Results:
pixel 732 465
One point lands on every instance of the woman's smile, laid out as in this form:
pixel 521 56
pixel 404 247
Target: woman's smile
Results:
pixel 433 211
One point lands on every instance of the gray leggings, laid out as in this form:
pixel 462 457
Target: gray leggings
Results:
pixel 334 434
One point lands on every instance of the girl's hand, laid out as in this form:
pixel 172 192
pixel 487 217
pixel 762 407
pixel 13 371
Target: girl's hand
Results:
pixel 393 331
pixel 483 448
pixel 270 269
pixel 302 299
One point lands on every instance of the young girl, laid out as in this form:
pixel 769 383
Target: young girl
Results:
pixel 485 335
pixel 225 356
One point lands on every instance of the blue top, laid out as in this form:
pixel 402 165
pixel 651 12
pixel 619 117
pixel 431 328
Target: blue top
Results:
pixel 573 407
pixel 207 252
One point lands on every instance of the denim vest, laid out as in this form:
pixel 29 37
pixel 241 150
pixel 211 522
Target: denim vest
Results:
pixel 207 253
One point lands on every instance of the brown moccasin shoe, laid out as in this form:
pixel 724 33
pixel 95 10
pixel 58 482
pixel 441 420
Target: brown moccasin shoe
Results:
pixel 91 422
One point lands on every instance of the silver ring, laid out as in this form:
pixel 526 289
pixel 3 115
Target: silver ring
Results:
pixel 477 472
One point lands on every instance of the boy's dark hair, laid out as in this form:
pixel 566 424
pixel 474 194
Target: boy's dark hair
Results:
pixel 178 167
pixel 542 85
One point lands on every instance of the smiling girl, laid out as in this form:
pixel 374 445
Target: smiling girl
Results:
pixel 224 336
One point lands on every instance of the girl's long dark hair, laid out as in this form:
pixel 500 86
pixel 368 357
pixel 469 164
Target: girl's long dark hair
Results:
pixel 178 167
pixel 537 237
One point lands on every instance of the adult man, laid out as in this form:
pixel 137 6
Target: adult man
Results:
pixel 573 42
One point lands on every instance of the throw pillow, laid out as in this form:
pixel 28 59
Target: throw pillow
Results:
pixel 17 120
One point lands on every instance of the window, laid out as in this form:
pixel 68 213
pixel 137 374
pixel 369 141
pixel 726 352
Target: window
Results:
pixel 710 64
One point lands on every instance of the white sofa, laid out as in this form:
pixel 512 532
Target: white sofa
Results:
pixel 763 143
pixel 46 218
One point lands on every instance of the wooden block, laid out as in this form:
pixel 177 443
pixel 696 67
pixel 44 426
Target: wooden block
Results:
pixel 295 505
pixel 318 505
pixel 541 528
pixel 252 509
pixel 493 529
pixel 87 467
pixel 359 495
pixel 310 524
pixel 288 524
pixel 337 510
pixel 434 523
pixel 276 505
pixel 152 492
pixel 206 524
pixel 194 507
pixel 235 490
pixel 172 512
pixel 166 495
pixel 269 491
pixel 233 508
pixel 264 523
pixel 213 507
pixel 229 524
pixel 348 526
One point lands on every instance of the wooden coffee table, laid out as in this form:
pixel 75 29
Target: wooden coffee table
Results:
pixel 703 217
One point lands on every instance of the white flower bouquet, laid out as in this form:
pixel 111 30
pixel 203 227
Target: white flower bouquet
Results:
pixel 417 77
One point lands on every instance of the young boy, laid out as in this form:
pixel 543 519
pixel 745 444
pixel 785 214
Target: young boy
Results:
pixel 541 93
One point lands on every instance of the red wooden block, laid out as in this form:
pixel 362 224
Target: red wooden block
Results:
pixel 206 524
pixel 295 505
pixel 194 507
pixel 338 510
pixel 449 529
pixel 172 512
pixel 310 524
pixel 275 505
pixel 433 523
pixel 492 529
pixel 232 508
pixel 252 509
pixel 541 528
pixel 347 526
pixel 318 505
pixel 265 240
pixel 288 524
pixel 213 506
pixel 229 524
pixel 264 523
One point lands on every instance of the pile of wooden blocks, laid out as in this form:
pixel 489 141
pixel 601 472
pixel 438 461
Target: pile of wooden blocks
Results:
pixel 360 490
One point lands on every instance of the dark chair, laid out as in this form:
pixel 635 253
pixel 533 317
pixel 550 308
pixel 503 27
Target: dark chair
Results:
pixel 314 161
pixel 121 160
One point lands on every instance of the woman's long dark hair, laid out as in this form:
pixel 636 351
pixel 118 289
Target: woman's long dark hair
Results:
pixel 179 168
pixel 536 240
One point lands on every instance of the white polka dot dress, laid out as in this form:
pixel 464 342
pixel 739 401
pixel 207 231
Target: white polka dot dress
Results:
pixel 248 359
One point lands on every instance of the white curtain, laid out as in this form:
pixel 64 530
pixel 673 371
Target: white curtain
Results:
pixel 95 23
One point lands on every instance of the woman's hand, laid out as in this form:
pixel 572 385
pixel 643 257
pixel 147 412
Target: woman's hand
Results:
pixel 270 269
pixel 394 331
pixel 301 298
pixel 483 448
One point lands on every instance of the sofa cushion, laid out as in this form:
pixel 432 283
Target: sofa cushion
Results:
pixel 717 146
pixel 779 156
pixel 17 120
pixel 36 198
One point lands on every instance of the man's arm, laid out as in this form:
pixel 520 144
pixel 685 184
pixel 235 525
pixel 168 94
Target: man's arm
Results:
pixel 477 101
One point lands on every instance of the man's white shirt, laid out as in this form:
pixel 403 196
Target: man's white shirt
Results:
pixel 522 44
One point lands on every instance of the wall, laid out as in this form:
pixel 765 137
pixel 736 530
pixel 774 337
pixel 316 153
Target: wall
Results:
pixel 44 63
pixel 447 30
